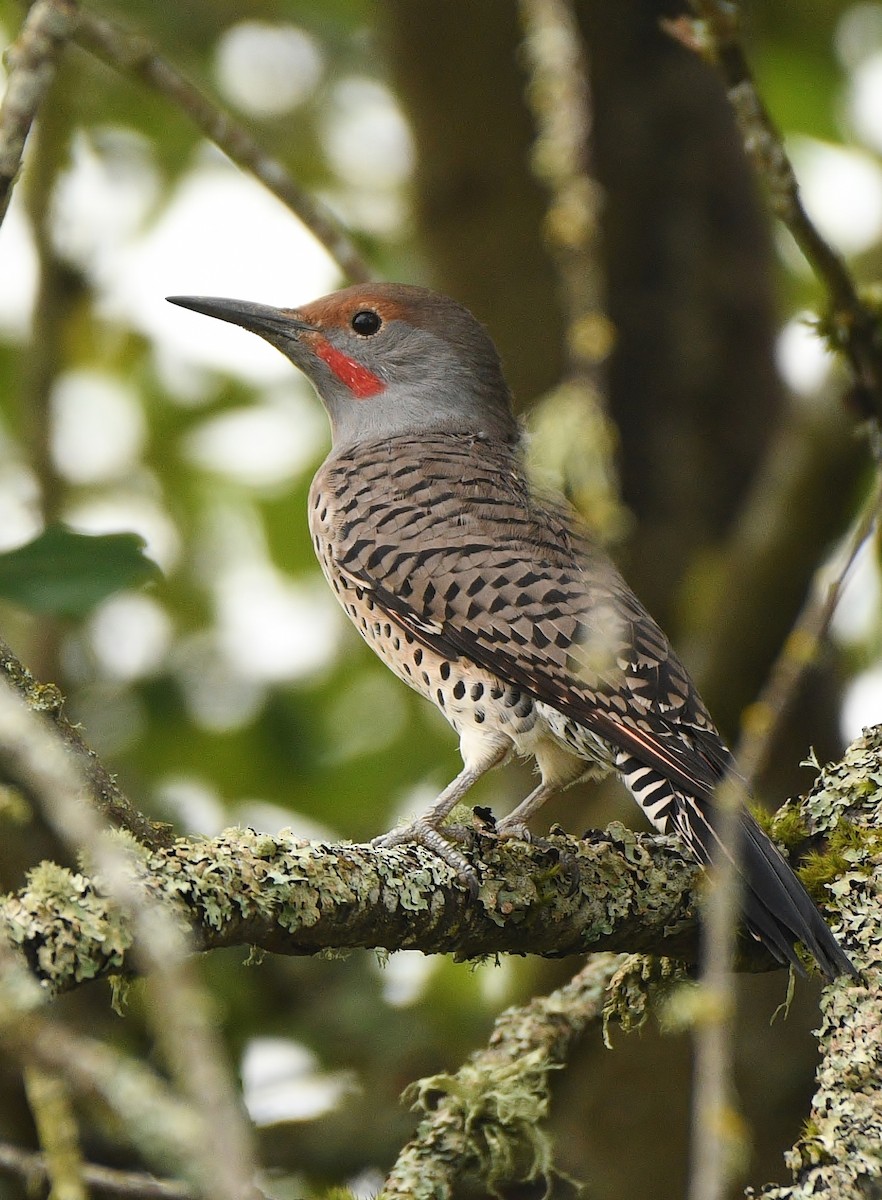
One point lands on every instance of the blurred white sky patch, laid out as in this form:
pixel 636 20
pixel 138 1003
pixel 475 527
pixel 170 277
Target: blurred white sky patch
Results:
pixel 98 427
pixel 272 628
pixel 858 33
pixel 264 445
pixel 267 70
pixel 804 362
pixel 282 1081
pixel 222 234
pixel 856 621
pixel 366 136
pixel 130 635
pixel 20 518
pixel 842 191
pixel 193 803
pixel 18 278
pixel 864 101
pixel 857 614
pixel 370 146
pixel 103 199
pixel 862 703
pixel 218 697
pixel 405 976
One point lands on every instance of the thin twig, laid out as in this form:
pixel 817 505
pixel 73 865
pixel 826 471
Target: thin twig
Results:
pixel 32 61
pixel 573 438
pixel 854 327
pixel 716 1130
pixel 34 756
pixel 103 789
pixel 32 1168
pixel 803 643
pixel 715 1126
pixel 133 54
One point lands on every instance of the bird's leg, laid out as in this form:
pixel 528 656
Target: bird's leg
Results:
pixel 426 829
pixel 558 768
pixel 515 824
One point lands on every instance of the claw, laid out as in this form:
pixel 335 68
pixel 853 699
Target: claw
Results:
pixel 513 831
pixel 422 833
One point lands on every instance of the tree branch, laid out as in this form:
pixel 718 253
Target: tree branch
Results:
pixel 104 792
pixel 31 1167
pixel 839 1155
pixel 32 61
pixel 133 54
pixel 483 1122
pixel 852 325
pixel 295 897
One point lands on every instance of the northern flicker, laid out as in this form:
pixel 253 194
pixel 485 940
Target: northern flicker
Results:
pixel 493 603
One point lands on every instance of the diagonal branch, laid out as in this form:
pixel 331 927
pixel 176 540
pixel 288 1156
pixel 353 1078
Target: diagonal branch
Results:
pixel 854 327
pixel 32 61
pixel 34 757
pixel 104 791
pixel 134 54
pixel 483 1122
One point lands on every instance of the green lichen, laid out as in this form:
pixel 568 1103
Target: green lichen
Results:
pixel 850 849
pixel 642 984
pixel 87 934
pixel 497 1110
pixel 787 826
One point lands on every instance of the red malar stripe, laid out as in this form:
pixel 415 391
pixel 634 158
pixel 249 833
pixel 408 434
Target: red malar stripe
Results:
pixel 360 381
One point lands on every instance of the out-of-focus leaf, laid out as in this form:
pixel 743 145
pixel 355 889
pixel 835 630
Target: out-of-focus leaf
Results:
pixel 65 573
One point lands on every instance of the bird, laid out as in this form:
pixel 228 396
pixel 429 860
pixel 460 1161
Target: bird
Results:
pixel 492 600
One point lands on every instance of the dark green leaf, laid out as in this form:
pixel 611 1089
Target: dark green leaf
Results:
pixel 65 573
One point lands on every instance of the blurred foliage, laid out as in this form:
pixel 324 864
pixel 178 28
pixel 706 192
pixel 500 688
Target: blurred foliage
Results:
pixel 62 573
pixel 180 686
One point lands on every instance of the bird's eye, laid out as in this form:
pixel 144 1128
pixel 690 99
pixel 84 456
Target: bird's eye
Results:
pixel 366 322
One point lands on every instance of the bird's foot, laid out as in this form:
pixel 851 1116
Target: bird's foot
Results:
pixel 512 831
pixel 423 833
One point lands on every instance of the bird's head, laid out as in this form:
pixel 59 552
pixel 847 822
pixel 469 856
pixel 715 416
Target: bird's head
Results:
pixel 386 359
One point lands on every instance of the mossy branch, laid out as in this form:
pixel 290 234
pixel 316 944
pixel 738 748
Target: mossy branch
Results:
pixel 616 890
pixel 104 792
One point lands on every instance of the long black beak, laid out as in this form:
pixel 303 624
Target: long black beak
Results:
pixel 258 318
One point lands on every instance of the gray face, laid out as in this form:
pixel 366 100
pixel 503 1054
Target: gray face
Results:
pixel 387 360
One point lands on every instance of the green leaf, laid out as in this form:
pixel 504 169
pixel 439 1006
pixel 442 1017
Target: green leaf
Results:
pixel 65 573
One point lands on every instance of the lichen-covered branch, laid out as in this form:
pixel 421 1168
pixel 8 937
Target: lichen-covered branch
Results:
pixel 483 1123
pixel 839 1155
pixel 32 60
pixel 852 326
pixel 617 890
pixel 35 758
pixel 104 792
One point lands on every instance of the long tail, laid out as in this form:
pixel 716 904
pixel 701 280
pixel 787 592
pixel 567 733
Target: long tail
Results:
pixel 777 909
